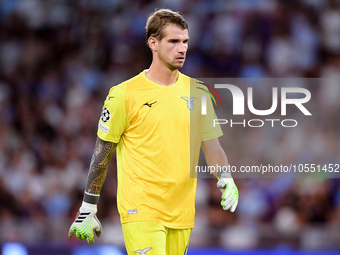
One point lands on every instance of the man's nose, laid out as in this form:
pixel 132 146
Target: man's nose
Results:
pixel 182 48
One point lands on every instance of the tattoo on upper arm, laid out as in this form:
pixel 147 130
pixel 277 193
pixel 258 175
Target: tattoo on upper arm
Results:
pixel 98 167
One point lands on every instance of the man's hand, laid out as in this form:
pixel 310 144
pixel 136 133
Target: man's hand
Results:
pixel 229 193
pixel 85 222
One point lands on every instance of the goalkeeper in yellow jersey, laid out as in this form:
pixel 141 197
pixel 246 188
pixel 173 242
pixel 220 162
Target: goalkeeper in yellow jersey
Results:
pixel 154 122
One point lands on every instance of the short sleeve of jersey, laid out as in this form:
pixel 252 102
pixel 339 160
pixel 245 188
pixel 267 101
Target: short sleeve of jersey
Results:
pixel 211 130
pixel 113 121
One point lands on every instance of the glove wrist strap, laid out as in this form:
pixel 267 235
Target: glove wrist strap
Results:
pixel 224 175
pixel 91 198
pixel 86 207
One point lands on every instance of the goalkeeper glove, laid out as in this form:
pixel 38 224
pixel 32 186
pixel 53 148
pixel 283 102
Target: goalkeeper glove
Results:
pixel 229 193
pixel 85 222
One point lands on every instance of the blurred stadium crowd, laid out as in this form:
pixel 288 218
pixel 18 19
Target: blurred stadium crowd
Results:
pixel 58 60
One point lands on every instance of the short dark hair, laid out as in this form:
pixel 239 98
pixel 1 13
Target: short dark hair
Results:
pixel 159 19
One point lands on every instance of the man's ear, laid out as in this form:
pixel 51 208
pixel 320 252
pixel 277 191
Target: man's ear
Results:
pixel 153 43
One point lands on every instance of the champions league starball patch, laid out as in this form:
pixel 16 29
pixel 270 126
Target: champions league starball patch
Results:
pixel 105 115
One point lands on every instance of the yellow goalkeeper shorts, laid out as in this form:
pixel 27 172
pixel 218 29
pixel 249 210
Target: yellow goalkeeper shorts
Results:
pixel 150 238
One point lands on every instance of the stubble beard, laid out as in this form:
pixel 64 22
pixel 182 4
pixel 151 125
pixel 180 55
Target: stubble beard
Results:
pixel 170 64
pixel 174 67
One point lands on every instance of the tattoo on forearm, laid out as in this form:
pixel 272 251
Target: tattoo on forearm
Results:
pixel 98 167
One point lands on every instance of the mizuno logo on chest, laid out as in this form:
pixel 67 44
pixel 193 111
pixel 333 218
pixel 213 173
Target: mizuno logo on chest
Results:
pixel 150 104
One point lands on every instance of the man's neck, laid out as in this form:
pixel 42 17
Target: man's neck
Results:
pixel 162 75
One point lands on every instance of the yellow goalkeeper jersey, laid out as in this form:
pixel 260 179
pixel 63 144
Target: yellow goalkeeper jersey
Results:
pixel 159 130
